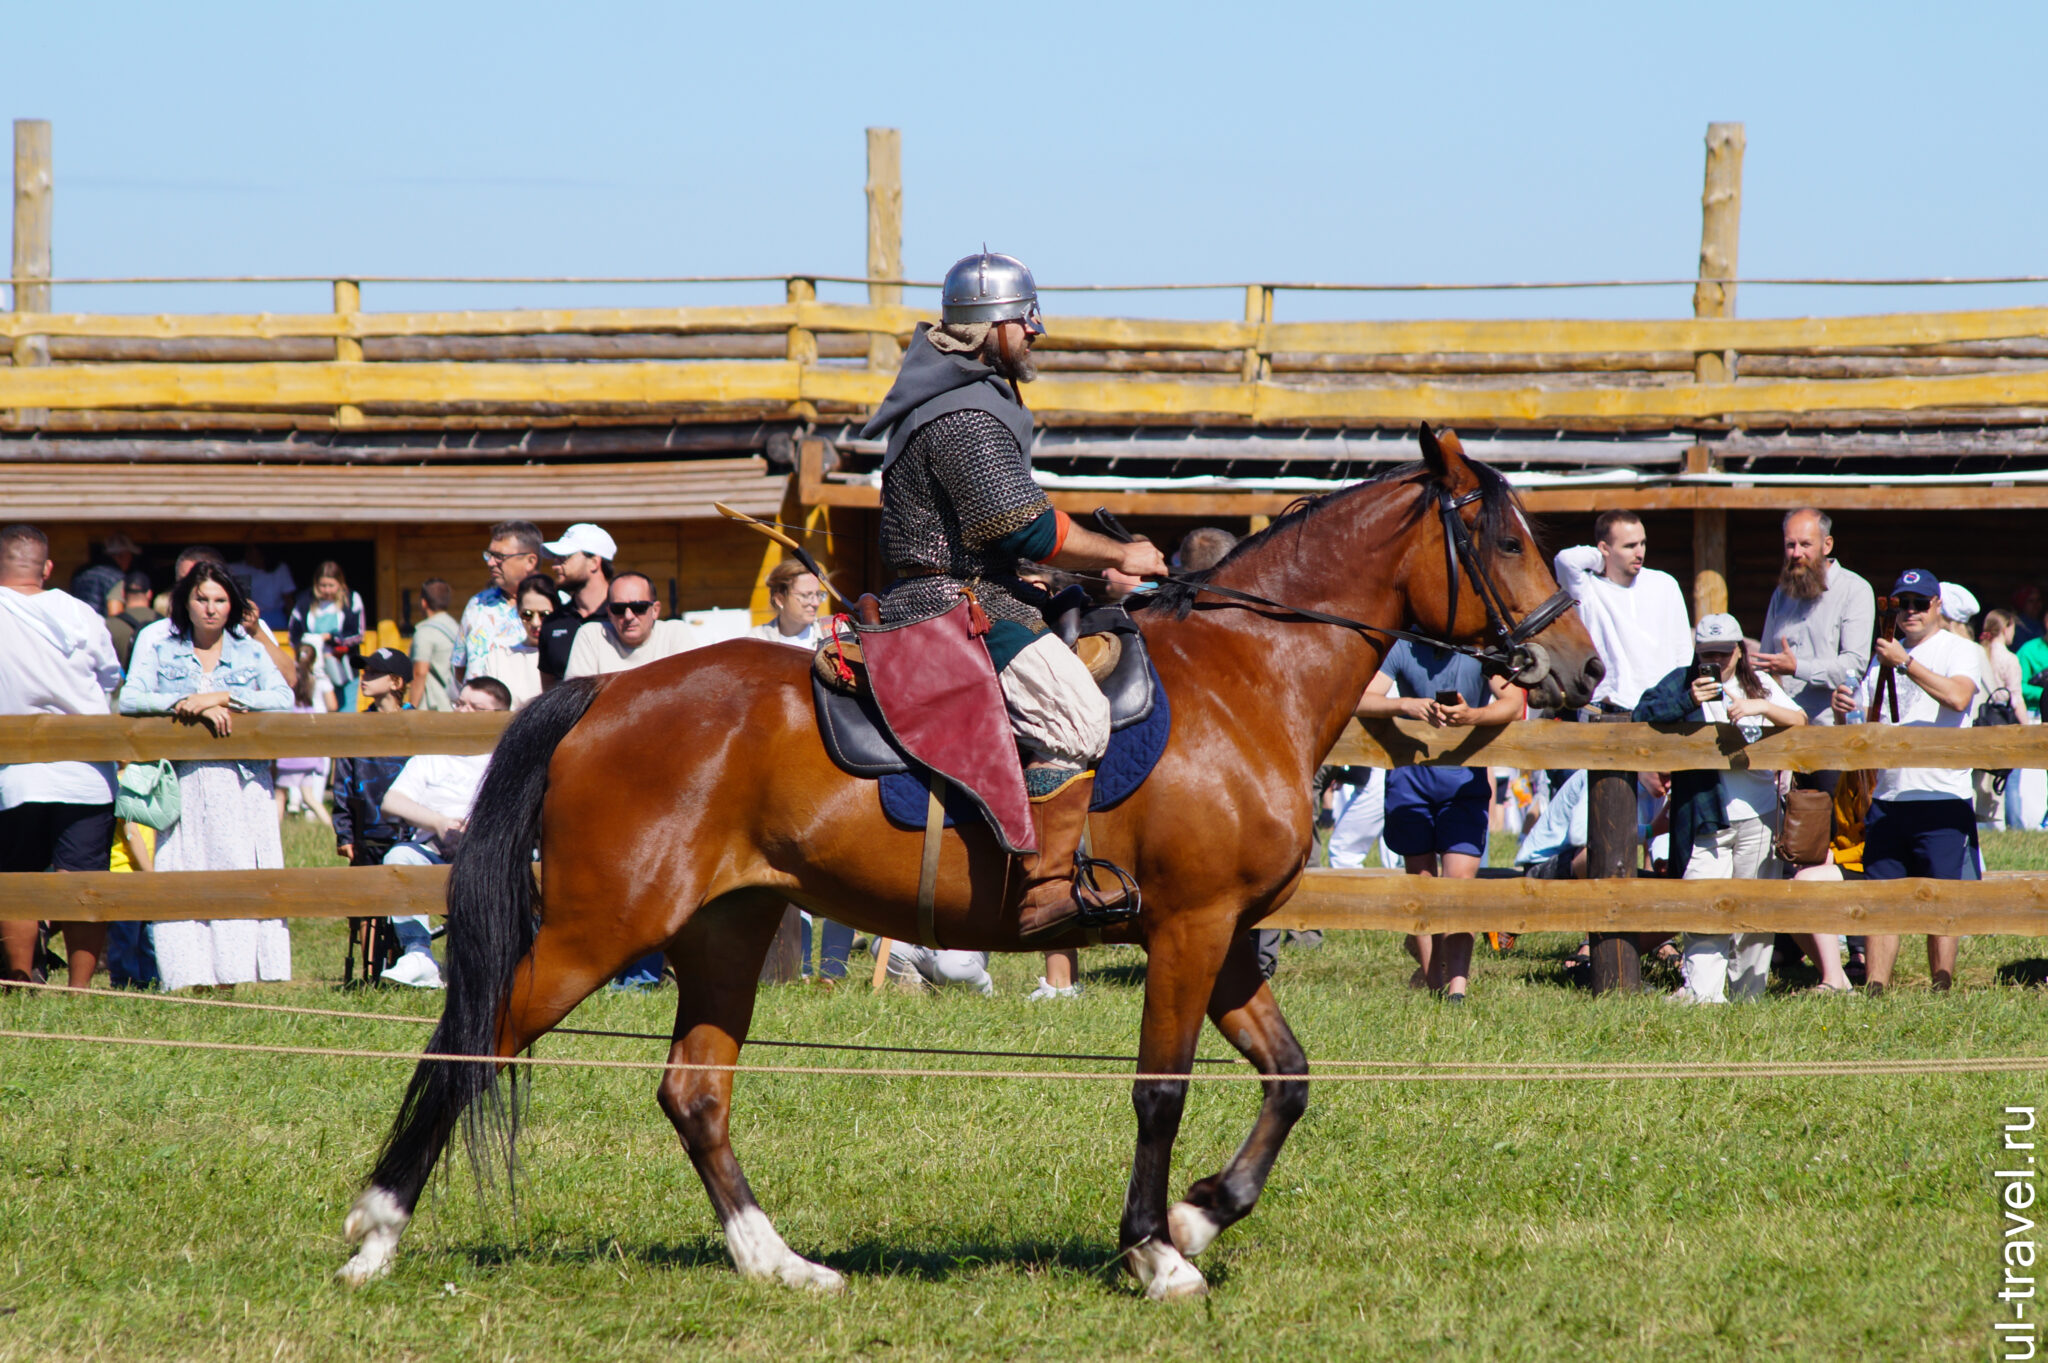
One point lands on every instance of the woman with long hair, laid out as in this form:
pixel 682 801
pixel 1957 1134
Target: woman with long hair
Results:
pixel 201 672
pixel 1723 823
pixel 329 610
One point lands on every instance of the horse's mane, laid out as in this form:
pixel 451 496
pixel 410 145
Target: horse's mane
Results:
pixel 1500 515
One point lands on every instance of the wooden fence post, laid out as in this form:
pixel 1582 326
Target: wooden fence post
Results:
pixel 1258 311
pixel 785 961
pixel 348 301
pixel 803 345
pixel 1720 235
pixel 32 218
pixel 1611 855
pixel 885 235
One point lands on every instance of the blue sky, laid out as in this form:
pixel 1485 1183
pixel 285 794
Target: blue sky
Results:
pixel 1101 142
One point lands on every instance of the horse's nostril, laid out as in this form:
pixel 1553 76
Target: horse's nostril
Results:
pixel 1595 669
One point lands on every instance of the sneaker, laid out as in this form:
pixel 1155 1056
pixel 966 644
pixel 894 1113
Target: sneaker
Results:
pixel 415 968
pixel 1046 991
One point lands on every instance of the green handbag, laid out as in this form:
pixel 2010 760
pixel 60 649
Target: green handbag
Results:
pixel 147 793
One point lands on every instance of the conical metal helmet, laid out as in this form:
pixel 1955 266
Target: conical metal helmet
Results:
pixel 992 287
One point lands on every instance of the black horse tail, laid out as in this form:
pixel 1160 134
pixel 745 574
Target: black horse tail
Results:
pixel 493 914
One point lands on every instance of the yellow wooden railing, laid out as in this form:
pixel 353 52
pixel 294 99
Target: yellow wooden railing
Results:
pixel 1591 374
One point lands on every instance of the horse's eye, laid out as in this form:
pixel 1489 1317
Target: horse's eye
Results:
pixel 1511 546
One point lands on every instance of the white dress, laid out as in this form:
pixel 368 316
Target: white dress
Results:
pixel 227 821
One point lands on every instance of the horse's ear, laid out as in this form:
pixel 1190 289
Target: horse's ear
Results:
pixel 1444 454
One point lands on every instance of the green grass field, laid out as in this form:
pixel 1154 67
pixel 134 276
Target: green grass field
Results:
pixel 188 1205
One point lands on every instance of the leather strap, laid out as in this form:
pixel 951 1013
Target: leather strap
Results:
pixel 928 871
pixel 1092 936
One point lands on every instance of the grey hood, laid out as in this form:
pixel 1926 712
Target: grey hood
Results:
pixel 932 384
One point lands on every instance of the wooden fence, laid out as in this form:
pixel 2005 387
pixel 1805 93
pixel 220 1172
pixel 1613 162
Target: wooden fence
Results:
pixel 1326 899
pixel 805 358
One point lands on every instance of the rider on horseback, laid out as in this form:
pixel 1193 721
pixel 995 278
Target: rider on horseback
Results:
pixel 959 509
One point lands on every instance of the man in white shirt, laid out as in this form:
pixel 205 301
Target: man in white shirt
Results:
pixel 434 793
pixel 56 658
pixel 1921 821
pixel 633 633
pixel 1636 615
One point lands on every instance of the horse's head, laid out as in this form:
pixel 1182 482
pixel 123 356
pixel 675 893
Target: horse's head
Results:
pixel 1557 663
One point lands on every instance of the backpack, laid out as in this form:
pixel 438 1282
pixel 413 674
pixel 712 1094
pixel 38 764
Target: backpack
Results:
pixel 1993 714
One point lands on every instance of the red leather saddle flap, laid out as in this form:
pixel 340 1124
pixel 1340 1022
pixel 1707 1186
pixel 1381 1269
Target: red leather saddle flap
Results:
pixel 938 692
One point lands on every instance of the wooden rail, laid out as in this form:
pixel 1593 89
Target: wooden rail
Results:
pixel 1580 374
pixel 1372 900
pixel 1376 743
pixel 1327 899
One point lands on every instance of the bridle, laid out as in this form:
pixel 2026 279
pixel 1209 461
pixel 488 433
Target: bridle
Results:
pixel 1511 652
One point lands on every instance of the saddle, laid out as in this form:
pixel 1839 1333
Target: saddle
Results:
pixel 858 739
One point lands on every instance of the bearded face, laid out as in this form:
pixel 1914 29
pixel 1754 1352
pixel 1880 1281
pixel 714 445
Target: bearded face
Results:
pixel 1803 579
pixel 1016 365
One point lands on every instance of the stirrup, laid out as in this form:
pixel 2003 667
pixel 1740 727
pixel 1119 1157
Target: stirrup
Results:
pixel 1094 913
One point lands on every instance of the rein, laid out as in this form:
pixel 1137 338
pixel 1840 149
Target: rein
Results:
pixel 1510 654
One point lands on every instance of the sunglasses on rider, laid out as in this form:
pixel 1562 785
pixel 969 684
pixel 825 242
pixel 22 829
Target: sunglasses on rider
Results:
pixel 620 608
pixel 1911 604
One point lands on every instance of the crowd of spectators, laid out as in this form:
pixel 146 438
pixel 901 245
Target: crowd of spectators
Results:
pixel 205 649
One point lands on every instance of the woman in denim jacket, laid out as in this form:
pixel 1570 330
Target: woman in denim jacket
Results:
pixel 201 671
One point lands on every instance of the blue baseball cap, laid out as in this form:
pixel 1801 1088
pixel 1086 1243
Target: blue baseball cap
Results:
pixel 1919 581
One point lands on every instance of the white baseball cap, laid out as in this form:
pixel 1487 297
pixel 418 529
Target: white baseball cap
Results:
pixel 1957 602
pixel 583 538
pixel 1717 630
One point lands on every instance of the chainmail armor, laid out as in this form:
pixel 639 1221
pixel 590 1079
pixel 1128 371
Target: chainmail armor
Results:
pixel 961 484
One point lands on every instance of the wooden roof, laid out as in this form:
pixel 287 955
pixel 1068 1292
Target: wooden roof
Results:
pixel 647 491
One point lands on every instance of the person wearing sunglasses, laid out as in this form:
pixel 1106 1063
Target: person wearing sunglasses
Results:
pixel 1921 821
pixel 518 665
pixel 633 633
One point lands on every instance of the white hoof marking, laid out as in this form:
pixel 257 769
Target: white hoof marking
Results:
pixel 374 1224
pixel 758 1252
pixel 1193 1229
pixel 1165 1274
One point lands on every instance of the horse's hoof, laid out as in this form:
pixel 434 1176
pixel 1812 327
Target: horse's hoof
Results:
pixel 1166 1276
pixel 374 1224
pixel 1193 1229
pixel 801 1272
pixel 759 1253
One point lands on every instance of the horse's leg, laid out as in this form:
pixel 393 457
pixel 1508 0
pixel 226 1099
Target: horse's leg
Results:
pixel 717 960
pixel 558 973
pixel 1180 975
pixel 1243 1009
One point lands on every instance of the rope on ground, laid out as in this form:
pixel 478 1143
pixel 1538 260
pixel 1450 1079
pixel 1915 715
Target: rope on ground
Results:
pixel 1530 1068
pixel 137 996
pixel 2014 1064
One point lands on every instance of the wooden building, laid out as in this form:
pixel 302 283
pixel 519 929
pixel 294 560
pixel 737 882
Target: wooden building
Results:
pixel 390 441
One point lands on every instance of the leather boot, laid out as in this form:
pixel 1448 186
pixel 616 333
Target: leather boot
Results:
pixel 1048 903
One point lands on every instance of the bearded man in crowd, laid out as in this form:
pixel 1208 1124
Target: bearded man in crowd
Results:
pixel 1820 622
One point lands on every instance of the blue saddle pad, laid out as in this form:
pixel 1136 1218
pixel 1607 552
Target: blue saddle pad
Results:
pixel 1133 752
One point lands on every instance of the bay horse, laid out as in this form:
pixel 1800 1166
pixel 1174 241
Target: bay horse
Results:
pixel 677 808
